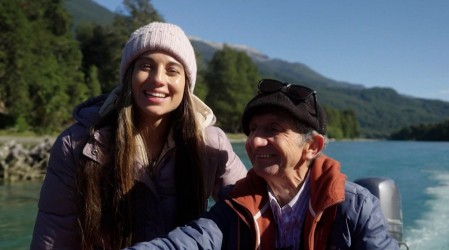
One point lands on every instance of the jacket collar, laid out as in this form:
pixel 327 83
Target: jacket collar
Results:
pixel 327 183
pixel 204 115
pixel 251 203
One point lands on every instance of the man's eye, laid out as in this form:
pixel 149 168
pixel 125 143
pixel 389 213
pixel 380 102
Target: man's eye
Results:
pixel 146 66
pixel 251 129
pixel 273 130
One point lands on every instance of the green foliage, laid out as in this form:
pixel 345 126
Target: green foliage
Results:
pixel 201 88
pixel 102 45
pixel 21 125
pixel 230 76
pixel 92 81
pixel 45 72
pixel 350 125
pixel 424 132
pixel 341 124
pixel 381 111
pixel 136 14
pixel 40 64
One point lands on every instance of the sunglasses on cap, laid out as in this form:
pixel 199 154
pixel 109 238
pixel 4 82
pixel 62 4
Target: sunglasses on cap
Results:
pixel 293 91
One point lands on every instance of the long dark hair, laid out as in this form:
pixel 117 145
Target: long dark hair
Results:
pixel 190 173
pixel 105 205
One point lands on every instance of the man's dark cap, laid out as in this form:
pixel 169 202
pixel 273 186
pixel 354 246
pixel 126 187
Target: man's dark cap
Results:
pixel 302 111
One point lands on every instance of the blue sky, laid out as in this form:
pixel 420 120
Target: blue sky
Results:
pixel 402 44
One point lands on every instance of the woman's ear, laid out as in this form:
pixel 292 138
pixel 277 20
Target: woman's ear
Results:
pixel 314 146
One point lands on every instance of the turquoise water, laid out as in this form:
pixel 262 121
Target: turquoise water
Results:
pixel 18 207
pixel 419 169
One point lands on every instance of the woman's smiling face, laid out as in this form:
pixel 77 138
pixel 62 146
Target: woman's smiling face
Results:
pixel 158 83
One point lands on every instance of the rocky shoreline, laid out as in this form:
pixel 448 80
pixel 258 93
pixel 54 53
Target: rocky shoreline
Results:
pixel 23 158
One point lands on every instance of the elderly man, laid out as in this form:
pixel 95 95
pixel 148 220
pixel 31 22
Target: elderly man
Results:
pixel 294 197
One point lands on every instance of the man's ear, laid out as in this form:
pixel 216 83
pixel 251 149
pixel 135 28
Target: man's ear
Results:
pixel 314 146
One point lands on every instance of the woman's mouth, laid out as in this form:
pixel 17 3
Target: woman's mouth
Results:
pixel 154 94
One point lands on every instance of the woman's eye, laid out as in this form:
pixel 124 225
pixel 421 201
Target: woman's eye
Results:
pixel 173 71
pixel 143 66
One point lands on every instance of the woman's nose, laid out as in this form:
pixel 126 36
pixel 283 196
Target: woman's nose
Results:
pixel 156 76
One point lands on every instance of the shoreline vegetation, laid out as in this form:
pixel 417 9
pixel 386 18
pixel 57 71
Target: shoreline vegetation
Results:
pixel 24 157
pixel 35 139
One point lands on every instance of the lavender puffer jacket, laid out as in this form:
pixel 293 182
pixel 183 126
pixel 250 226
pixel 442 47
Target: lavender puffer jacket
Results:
pixel 56 224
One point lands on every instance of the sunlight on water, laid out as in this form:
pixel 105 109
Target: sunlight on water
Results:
pixel 432 230
pixel 420 169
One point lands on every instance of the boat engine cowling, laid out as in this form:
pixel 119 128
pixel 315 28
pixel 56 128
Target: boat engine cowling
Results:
pixel 390 199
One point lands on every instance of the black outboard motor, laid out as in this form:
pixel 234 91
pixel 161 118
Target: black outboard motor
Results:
pixel 390 200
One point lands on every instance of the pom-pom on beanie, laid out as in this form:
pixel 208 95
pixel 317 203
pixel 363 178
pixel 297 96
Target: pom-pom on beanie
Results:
pixel 301 111
pixel 157 36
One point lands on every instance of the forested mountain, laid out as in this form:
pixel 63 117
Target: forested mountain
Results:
pixel 379 111
pixel 88 11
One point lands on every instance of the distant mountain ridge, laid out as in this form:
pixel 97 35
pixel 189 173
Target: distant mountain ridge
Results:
pixel 88 11
pixel 207 49
pixel 380 111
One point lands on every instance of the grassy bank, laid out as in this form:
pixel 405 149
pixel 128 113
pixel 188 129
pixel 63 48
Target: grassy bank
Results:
pixel 236 137
pixel 26 138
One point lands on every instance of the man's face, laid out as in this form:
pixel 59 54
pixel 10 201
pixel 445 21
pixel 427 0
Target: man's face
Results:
pixel 273 146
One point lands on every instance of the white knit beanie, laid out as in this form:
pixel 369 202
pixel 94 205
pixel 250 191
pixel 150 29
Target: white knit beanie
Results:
pixel 162 37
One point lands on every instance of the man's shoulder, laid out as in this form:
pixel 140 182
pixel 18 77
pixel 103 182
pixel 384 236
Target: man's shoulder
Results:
pixel 354 189
pixel 356 197
pixel 224 191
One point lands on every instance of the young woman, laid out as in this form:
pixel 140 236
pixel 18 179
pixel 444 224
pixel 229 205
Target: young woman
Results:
pixel 141 161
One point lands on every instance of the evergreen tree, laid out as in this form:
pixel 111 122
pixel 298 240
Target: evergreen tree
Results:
pixel 334 129
pixel 349 124
pixel 136 14
pixel 41 63
pixel 102 45
pixel 92 81
pixel 15 28
pixel 341 124
pixel 231 77
pixel 201 88
pixel 424 132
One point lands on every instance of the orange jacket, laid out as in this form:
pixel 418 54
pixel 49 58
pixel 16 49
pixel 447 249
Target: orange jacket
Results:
pixel 249 199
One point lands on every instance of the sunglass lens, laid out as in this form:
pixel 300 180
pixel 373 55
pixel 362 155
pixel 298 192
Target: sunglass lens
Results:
pixel 269 86
pixel 299 92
